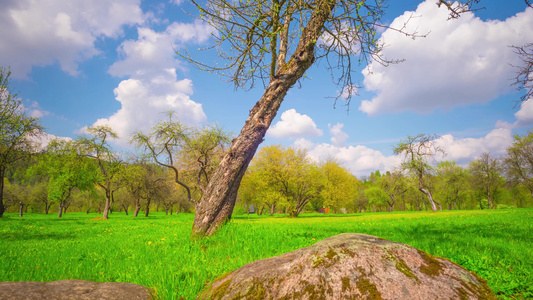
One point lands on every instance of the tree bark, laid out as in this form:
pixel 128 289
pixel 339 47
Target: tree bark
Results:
pixel 21 208
pixel 430 199
pixel 2 206
pixel 107 204
pixel 125 209
pixel 137 207
pixel 217 203
pixel 60 213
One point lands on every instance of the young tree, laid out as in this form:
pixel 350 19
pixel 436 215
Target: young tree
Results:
pixel 109 163
pixel 394 185
pixel 486 175
pixel 519 161
pixel 198 151
pixel 451 180
pixel 417 151
pixel 285 175
pixel 338 187
pixel 17 130
pixel 67 170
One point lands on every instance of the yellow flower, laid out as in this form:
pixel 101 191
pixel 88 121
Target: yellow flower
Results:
pixel 149 242
pixel 163 239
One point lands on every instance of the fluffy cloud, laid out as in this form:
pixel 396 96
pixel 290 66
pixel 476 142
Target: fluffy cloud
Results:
pixel 338 137
pixel 361 160
pixel 43 32
pixel 153 86
pixel 144 101
pixel 461 61
pixel 524 117
pixel 293 126
pixel 465 150
pixel 153 52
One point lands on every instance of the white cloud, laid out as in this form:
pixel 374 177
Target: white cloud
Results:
pixel 293 126
pixel 465 150
pixel 338 136
pixel 361 160
pixel 153 52
pixel 153 86
pixel 43 32
pixel 461 61
pixel 524 117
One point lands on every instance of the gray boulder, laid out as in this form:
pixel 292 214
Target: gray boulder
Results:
pixel 350 266
pixel 73 290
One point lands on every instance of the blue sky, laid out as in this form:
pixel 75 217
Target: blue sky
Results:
pixel 79 63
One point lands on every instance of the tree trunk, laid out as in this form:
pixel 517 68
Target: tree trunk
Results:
pixel 488 200
pixel 21 209
pixel 147 208
pixel 125 209
pixel 2 207
pixel 137 207
pixel 217 203
pixel 60 214
pixel 107 204
pixel 430 199
pixel 271 209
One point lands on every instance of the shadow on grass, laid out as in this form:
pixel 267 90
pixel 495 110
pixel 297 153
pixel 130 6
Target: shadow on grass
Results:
pixel 37 237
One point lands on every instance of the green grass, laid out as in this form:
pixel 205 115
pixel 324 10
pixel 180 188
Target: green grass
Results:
pixel 157 251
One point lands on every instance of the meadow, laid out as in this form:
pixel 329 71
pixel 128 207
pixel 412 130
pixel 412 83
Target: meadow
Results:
pixel 157 251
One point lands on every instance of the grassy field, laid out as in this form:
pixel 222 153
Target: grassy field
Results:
pixel 157 251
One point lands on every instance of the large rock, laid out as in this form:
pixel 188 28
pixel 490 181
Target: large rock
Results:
pixel 73 290
pixel 350 266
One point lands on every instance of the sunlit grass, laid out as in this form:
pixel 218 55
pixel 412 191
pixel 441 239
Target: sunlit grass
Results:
pixel 157 251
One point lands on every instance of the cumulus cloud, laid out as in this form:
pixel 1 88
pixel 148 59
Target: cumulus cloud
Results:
pixel 524 117
pixel 361 160
pixel 153 86
pixel 43 32
pixel 338 136
pixel 465 150
pixel 293 126
pixel 461 61
pixel 153 52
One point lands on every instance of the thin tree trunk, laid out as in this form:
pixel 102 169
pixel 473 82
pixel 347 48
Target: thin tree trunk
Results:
pixel 21 208
pixel 60 214
pixel 488 200
pixel 107 204
pixel 125 208
pixel 147 208
pixel 430 199
pixel 217 203
pixel 2 206
pixel 137 207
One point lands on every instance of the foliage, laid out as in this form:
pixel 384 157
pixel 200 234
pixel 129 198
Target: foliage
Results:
pixel 18 131
pixel 199 151
pixel 417 151
pixel 283 176
pixel 518 163
pixel 339 187
pixel 486 175
pixel 67 170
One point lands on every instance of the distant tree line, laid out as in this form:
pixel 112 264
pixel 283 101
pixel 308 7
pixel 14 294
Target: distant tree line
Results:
pixel 285 180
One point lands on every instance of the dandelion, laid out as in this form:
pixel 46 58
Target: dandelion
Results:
pixel 149 242
pixel 163 239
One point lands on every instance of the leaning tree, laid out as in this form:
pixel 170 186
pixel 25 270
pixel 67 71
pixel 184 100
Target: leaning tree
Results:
pixel 274 42
pixel 417 151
